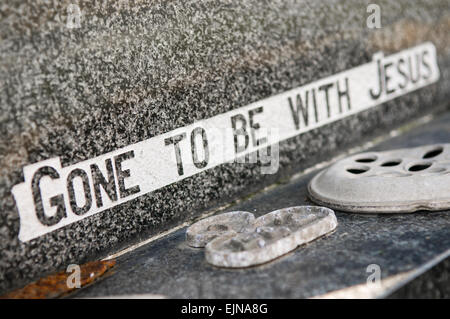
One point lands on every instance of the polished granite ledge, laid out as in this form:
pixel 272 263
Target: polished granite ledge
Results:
pixel 406 247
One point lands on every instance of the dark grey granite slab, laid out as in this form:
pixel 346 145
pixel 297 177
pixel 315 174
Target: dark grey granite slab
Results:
pixel 397 243
pixel 131 72
pixel 434 283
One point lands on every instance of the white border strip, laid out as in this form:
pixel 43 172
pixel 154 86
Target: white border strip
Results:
pixel 53 196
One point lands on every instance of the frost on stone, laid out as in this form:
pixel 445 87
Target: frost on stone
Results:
pixel 202 232
pixel 273 235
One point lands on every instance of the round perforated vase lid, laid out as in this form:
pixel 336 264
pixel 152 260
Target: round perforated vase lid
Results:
pixel 396 181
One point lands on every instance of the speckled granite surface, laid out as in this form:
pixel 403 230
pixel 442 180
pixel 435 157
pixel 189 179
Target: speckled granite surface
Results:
pixel 135 71
pixel 434 284
pixel 397 243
